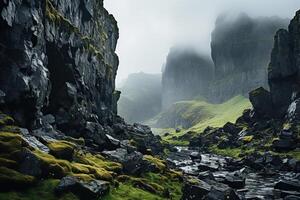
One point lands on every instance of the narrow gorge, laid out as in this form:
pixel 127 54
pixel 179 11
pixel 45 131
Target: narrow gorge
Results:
pixel 223 126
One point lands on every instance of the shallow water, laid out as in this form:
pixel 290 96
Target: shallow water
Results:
pixel 256 185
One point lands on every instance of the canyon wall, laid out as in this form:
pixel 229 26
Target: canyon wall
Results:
pixel 240 49
pixel 58 57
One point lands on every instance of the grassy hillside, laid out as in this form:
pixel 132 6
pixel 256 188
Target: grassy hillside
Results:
pixel 196 115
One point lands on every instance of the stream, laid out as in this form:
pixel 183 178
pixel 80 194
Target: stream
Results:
pixel 247 182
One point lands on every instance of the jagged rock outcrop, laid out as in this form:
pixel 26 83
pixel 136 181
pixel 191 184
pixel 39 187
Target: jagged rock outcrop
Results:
pixel 141 97
pixel 240 49
pixel 58 57
pixel 186 75
pixel 283 74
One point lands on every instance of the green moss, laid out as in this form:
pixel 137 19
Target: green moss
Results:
pixel 44 190
pixel 170 181
pixel 6 120
pixel 12 178
pixel 247 139
pixel 160 164
pixel 231 152
pixel 98 161
pixel 10 142
pixel 62 149
pixel 126 191
pixel 54 16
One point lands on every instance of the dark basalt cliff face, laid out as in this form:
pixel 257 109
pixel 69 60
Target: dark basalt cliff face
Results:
pixel 283 75
pixel 58 57
pixel 186 75
pixel 241 52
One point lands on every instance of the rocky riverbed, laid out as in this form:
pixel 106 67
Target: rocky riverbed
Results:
pixel 211 176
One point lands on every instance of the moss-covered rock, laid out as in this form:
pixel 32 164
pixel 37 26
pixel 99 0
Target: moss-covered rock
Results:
pixel 10 178
pixel 62 149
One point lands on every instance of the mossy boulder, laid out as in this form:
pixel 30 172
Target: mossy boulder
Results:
pixel 62 149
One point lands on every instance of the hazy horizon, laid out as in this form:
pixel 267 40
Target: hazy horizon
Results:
pixel 148 29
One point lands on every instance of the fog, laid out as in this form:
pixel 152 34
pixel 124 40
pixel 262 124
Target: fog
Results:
pixel 148 29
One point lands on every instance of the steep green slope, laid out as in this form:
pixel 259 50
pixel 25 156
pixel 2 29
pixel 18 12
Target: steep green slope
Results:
pixel 194 116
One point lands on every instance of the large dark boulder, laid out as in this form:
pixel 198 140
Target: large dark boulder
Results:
pixel 261 101
pixel 132 162
pixel 194 190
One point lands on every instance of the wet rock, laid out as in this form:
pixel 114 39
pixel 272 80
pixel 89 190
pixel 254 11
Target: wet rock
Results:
pixel 132 162
pixel 33 141
pixel 206 175
pixel 287 185
pixel 194 190
pixel 88 190
pixel 291 197
pixel 235 181
pixel 221 192
pixel 196 156
pixel 115 143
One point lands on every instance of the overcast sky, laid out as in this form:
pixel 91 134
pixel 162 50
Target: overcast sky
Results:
pixel 148 28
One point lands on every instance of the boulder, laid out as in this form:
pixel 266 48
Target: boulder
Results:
pixel 33 141
pixel 231 128
pixel 287 185
pixel 261 101
pixel 284 144
pixel 194 190
pixel 93 189
pixel 196 156
pixel 221 192
pixel 235 181
pixel 132 162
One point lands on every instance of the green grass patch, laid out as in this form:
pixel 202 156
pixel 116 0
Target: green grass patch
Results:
pixel 126 191
pixel 200 115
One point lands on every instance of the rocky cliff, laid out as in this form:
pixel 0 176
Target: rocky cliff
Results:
pixel 186 76
pixel 141 97
pixel 60 136
pixel 240 49
pixel 58 57
pixel 283 76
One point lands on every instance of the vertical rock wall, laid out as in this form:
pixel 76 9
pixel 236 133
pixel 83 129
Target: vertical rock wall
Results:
pixel 58 57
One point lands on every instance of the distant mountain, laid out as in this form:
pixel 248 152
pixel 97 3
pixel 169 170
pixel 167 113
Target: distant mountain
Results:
pixel 140 97
pixel 187 74
pixel 240 49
